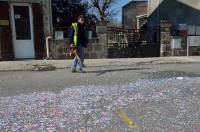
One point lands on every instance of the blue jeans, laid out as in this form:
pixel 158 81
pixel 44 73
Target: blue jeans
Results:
pixel 75 63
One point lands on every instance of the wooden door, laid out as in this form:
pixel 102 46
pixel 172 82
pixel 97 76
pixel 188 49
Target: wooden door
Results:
pixel 38 29
pixel 6 46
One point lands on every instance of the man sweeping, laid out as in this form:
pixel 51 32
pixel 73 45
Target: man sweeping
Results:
pixel 78 41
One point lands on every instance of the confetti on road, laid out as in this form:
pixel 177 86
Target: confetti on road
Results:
pixel 180 78
pixel 93 108
pixel 127 120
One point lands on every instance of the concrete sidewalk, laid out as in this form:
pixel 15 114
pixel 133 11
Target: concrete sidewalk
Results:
pixel 29 65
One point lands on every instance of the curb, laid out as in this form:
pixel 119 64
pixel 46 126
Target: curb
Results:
pixel 51 67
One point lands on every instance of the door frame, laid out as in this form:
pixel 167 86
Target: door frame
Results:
pixel 14 29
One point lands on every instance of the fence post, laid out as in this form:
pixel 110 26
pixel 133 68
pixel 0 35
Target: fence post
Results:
pixel 188 48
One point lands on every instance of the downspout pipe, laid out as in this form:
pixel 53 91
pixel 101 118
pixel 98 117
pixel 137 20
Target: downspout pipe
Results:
pixel 47 46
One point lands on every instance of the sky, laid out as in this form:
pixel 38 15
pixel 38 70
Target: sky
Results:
pixel 118 8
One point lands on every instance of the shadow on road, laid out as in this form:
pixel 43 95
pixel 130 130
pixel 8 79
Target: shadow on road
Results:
pixel 101 72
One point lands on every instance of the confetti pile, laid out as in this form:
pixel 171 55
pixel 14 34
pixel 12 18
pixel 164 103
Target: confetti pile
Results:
pixel 94 107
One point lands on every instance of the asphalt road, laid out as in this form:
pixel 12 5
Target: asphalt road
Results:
pixel 15 83
pixel 127 98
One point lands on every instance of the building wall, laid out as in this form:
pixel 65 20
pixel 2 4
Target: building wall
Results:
pixel 174 11
pixel 41 27
pixel 131 10
pixel 153 4
pixel 46 12
pixel 172 19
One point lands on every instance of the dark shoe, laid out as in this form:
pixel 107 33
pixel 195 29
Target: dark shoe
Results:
pixel 83 65
pixel 80 71
pixel 73 70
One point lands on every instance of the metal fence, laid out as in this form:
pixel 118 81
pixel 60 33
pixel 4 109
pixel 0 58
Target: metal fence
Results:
pixel 122 43
pixel 130 43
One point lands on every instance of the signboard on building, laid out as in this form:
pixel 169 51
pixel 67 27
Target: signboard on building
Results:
pixel 193 40
pixel 176 43
pixel 59 35
pixel 4 22
pixel 198 30
pixel 182 27
pixel 191 30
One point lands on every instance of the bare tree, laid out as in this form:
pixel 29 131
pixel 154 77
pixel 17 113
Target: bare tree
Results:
pixel 102 9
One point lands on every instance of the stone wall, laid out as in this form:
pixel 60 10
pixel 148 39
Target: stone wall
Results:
pixel 96 49
pixel 165 39
pixel 168 33
pixel 58 49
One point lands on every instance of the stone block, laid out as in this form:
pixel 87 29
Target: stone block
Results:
pixel 103 38
pixel 180 52
pixel 89 49
pixel 101 30
pixel 96 41
pixel 104 46
pixel 93 55
pixel 62 56
pixel 101 55
pixel 87 56
pixel 60 50
pixel 195 53
pixel 97 48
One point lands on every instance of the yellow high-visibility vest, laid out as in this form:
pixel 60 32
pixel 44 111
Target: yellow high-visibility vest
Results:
pixel 75 27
